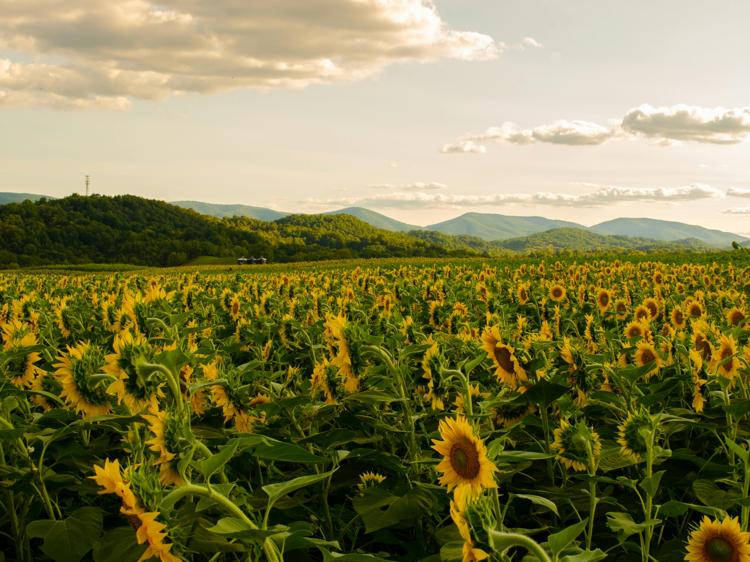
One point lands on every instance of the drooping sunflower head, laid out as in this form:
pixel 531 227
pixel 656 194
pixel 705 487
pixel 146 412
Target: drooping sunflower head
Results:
pixel 465 466
pixel 507 367
pixel 79 373
pixel 577 446
pixel 725 359
pixel 133 390
pixel 718 541
pixel 172 438
pixel 633 435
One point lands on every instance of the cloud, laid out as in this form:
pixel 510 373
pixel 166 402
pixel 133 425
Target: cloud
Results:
pixel 79 53
pixel 599 196
pixel 738 211
pixel 463 147
pixel 529 43
pixel 689 123
pixel 738 192
pixel 416 186
pixel 572 133
pixel 667 126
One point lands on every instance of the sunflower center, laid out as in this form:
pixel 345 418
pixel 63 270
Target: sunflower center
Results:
pixel 503 358
pixel 557 292
pixel 465 459
pixel 678 318
pixel 647 356
pixel 604 299
pixel 719 549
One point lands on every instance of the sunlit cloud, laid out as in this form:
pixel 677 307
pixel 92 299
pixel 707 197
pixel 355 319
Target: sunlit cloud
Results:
pixel 416 186
pixel 667 126
pixel 598 196
pixel 738 211
pixel 738 192
pixel 99 53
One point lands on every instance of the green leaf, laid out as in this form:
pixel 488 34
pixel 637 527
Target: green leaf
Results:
pixel 650 485
pixel 624 526
pixel 215 462
pixel 557 542
pixel 281 489
pixel 71 539
pixel 265 447
pixel 738 450
pixel 521 456
pixel 539 500
pixel 544 393
pixel 585 556
pixel 674 508
pixel 711 495
pixel 118 545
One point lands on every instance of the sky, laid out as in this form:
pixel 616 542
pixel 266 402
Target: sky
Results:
pixel 583 110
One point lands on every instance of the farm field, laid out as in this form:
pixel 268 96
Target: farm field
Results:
pixel 396 410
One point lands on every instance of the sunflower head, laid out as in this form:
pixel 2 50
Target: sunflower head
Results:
pixel 633 435
pixel 577 446
pixel 646 355
pixel 557 292
pixel 715 541
pixel 725 359
pixel 736 317
pixel 603 300
pixel 79 374
pixel 507 368
pixel 678 318
pixel 465 466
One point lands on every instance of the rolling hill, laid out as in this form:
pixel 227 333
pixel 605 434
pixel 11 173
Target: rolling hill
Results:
pixel 8 197
pixel 220 211
pixel 578 240
pixel 375 219
pixel 666 230
pixel 489 226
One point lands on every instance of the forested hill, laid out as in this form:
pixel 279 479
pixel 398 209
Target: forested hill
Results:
pixel 129 229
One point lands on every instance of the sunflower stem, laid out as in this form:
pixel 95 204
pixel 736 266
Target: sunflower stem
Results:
pixel 501 542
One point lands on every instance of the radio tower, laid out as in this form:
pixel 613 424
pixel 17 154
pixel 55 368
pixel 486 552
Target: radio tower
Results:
pixel 88 182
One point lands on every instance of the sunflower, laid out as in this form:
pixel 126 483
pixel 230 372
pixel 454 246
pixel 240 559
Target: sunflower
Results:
pixel 147 529
pixel 695 309
pixel 715 541
pixel 577 446
pixel 469 553
pixel 635 329
pixel 646 355
pixel 631 438
pixel 369 480
pixel 132 390
pixel 76 371
pixel 735 317
pixel 642 313
pixel 522 293
pixel 171 437
pixel 678 318
pixel 465 466
pixel 322 376
pixel 653 308
pixel 603 300
pixel 557 292
pixel 21 367
pixel 701 344
pixel 507 368
pixel 621 309
pixel 724 360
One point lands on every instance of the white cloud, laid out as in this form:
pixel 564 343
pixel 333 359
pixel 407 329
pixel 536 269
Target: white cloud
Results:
pixel 105 53
pixel 738 211
pixel 738 192
pixel 689 123
pixel 599 196
pixel 463 147
pixel 573 133
pixel 667 126
pixel 529 43
pixel 416 186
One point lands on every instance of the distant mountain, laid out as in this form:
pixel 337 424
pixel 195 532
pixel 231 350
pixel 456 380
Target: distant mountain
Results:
pixel 579 240
pixel 375 219
pixel 489 226
pixel 6 197
pixel 666 230
pixel 221 211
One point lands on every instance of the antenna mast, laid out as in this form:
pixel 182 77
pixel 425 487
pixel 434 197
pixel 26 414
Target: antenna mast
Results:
pixel 88 182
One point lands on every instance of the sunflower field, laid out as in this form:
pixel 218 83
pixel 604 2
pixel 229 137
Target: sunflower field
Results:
pixel 451 411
